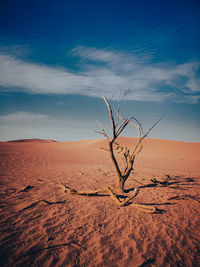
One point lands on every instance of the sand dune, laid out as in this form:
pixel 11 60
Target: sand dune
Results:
pixel 41 225
pixel 32 141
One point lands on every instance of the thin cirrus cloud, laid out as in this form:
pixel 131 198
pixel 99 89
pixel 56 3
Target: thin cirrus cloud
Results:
pixel 23 125
pixel 103 71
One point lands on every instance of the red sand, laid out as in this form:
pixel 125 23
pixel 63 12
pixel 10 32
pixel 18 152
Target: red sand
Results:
pixel 93 231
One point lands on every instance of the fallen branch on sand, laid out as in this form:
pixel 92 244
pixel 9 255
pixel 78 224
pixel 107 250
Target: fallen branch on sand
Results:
pixel 85 193
pixel 117 198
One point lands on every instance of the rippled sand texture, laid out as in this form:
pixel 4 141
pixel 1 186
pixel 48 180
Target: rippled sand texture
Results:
pixel 41 225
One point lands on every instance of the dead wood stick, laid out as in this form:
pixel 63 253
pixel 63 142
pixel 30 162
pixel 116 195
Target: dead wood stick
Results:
pixel 86 193
pixel 113 196
pixel 136 191
pixel 149 209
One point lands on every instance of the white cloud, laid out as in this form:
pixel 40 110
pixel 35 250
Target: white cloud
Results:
pixel 36 78
pixel 94 54
pixel 117 71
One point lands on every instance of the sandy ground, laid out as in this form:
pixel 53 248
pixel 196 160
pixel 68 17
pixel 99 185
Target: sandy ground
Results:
pixel 41 225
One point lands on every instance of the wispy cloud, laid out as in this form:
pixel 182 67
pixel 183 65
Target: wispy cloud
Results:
pixel 23 124
pixel 104 71
pixel 22 117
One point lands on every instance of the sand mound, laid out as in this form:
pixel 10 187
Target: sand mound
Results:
pixel 41 225
pixel 32 141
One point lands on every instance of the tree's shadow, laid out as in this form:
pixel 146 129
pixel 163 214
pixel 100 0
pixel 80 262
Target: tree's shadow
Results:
pixel 177 182
pixel 169 182
pixel 147 262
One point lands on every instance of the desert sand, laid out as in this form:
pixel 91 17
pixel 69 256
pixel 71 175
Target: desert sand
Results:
pixel 42 225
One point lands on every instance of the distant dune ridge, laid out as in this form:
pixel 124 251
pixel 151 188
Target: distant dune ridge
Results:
pixel 41 225
pixel 32 141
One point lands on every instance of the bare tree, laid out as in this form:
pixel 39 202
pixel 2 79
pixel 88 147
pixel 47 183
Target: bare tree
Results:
pixel 128 155
pixel 124 164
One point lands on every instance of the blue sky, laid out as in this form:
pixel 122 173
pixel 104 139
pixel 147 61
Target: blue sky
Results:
pixel 58 57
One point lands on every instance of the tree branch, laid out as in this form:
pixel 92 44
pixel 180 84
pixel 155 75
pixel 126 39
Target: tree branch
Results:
pixel 102 131
pixel 111 117
pixel 142 138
